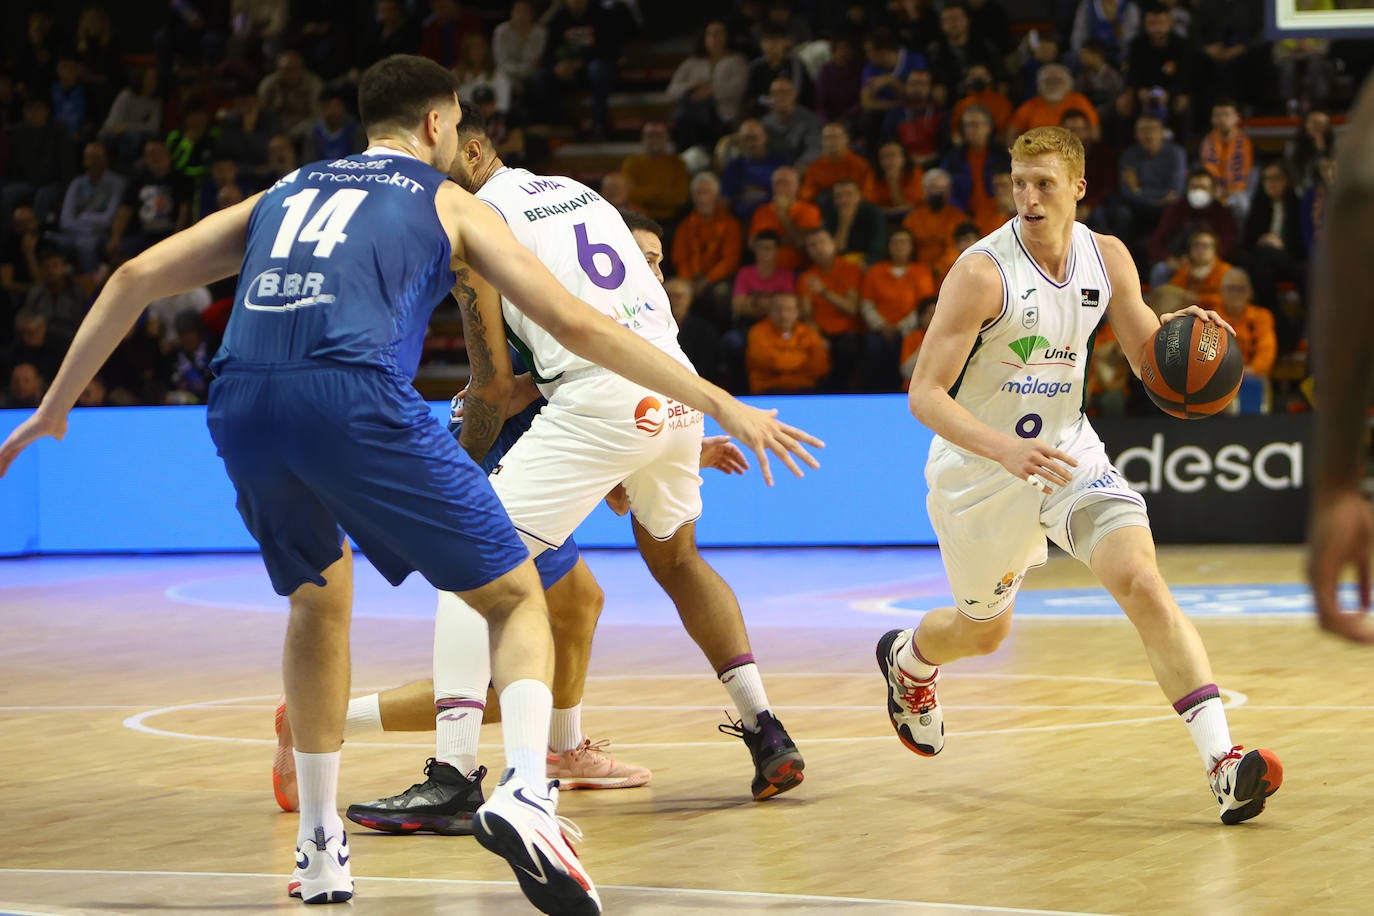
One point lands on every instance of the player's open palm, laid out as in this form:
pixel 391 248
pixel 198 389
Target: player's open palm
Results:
pixel 1040 465
pixel 37 426
pixel 1342 538
pixel 762 432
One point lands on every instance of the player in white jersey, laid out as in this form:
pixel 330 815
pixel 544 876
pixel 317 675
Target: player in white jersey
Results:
pixel 599 430
pixel 1000 382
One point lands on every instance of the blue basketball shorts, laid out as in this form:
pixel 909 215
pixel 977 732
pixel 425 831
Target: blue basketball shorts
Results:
pixel 552 565
pixel 315 451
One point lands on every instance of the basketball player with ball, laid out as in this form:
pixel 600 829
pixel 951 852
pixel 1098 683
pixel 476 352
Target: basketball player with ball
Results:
pixel 1000 382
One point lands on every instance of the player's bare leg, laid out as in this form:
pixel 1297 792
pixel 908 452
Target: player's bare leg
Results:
pixel 711 614
pixel 1124 561
pixel 910 662
pixel 315 673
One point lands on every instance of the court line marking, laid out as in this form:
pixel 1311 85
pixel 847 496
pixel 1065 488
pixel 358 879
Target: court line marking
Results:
pixel 631 888
pixel 1233 698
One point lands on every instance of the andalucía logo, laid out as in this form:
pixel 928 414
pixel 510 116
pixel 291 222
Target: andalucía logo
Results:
pixel 1045 354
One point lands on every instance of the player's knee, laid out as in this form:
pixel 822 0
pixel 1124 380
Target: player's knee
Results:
pixel 1144 594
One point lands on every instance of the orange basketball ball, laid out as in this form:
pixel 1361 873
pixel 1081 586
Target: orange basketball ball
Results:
pixel 1191 368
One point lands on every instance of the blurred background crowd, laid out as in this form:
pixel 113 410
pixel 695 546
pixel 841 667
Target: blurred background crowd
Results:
pixel 817 165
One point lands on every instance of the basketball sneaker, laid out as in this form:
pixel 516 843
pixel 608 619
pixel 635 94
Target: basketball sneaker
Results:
pixel 778 764
pixel 912 708
pixel 520 825
pixel 444 804
pixel 588 766
pixel 1242 780
pixel 322 872
pixel 284 764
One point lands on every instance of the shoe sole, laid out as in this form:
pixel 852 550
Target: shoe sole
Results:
pixel 563 893
pixel 442 825
pixel 904 736
pixel 335 896
pixel 597 783
pixel 1258 776
pixel 783 773
pixel 284 764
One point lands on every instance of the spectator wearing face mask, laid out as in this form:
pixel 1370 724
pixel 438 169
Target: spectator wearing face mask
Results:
pixel 1198 210
pixel 932 222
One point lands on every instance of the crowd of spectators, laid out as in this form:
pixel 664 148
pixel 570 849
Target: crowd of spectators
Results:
pixel 822 166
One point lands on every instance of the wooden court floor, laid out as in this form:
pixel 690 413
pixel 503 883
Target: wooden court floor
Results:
pixel 137 741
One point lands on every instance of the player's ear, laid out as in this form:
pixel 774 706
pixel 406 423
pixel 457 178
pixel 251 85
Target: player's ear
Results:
pixel 1080 188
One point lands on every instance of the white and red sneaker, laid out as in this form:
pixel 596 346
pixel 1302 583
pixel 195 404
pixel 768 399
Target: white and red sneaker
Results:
pixel 912 706
pixel 1242 780
pixel 520 824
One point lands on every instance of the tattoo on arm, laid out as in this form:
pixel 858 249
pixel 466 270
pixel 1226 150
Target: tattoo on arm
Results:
pixel 481 419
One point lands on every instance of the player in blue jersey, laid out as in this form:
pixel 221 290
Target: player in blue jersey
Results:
pixel 322 433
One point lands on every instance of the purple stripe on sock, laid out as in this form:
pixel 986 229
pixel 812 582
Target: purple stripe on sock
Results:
pixel 1197 697
pixel 745 659
pixel 916 651
pixel 459 703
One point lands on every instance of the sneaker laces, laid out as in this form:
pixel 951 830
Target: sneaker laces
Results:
pixel 917 695
pixel 732 726
pixel 590 748
pixel 1233 754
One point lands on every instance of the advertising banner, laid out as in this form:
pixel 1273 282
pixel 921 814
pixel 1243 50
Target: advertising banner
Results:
pixel 1222 480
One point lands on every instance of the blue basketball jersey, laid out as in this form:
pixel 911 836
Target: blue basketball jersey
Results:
pixel 345 262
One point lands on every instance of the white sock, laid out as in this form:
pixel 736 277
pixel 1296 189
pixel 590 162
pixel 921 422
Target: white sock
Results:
pixel 462 670
pixel 525 712
pixel 317 783
pixel 565 729
pixel 742 681
pixel 457 729
pixel 912 664
pixel 364 715
pixel 1205 717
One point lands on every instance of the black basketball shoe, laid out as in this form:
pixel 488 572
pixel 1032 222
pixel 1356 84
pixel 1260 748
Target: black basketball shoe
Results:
pixel 778 764
pixel 444 804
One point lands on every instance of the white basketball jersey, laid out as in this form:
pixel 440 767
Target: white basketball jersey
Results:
pixel 1028 369
pixel 585 244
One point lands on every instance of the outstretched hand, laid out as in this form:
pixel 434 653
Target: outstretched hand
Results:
pixel 725 456
pixel 37 426
pixel 1342 537
pixel 762 432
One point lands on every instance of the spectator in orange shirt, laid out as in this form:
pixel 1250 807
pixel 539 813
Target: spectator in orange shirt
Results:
pixel 755 286
pixel 981 90
pixel 784 355
pixel 829 292
pixel 1254 326
pixel 707 247
pixel 972 162
pixel 897 186
pixel 1046 109
pixel 932 222
pixel 1227 153
pixel 911 343
pixel 836 161
pixel 858 226
pixel 965 234
pixel 888 299
pixel 1202 270
pixel 788 216
pixel 658 179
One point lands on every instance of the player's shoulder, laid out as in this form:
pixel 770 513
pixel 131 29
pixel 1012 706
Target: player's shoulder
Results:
pixel 976 274
pixel 1115 255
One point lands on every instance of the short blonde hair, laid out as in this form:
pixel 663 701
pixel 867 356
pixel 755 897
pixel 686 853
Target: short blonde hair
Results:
pixel 1051 141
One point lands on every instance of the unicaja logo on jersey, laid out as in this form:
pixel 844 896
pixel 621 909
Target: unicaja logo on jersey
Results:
pixel 649 416
pixel 1038 351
